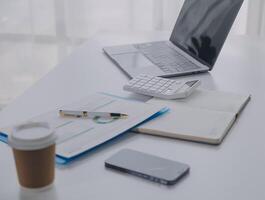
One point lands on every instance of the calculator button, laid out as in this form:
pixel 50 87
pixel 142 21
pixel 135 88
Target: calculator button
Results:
pixel 168 92
pixel 175 86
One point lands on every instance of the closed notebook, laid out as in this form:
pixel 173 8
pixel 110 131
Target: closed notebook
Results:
pixel 206 116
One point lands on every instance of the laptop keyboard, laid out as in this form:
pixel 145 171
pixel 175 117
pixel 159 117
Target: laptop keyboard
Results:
pixel 165 57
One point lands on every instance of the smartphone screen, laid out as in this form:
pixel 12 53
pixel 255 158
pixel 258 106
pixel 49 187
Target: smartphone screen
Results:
pixel 147 166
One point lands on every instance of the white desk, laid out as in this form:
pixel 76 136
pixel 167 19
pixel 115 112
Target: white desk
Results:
pixel 233 170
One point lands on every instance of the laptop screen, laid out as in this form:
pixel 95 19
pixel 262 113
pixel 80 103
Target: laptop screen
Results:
pixel 202 27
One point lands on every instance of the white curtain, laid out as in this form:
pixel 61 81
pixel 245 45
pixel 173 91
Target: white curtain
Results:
pixel 256 18
pixel 250 20
pixel 138 15
pixel 83 18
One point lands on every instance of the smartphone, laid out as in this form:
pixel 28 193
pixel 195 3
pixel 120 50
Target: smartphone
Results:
pixel 147 166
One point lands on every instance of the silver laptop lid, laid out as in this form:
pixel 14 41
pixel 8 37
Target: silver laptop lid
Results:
pixel 202 27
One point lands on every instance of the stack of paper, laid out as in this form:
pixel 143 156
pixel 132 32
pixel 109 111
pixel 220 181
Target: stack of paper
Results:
pixel 79 135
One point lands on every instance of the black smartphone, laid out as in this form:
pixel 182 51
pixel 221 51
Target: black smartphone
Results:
pixel 147 166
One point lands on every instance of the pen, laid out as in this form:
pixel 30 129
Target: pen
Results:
pixel 87 114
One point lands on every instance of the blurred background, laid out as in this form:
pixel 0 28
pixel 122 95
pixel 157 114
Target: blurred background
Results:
pixel 37 34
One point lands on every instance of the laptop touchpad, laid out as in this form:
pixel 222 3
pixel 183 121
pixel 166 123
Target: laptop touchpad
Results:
pixel 132 60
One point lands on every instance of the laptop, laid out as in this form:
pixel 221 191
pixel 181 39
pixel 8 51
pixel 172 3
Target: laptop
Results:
pixel 195 43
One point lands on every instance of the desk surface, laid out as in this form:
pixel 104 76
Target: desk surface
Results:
pixel 232 170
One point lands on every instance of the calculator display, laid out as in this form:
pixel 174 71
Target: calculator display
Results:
pixel 191 83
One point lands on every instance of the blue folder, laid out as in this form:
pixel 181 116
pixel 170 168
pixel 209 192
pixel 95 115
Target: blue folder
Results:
pixel 60 160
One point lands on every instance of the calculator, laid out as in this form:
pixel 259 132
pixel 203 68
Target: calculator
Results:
pixel 161 87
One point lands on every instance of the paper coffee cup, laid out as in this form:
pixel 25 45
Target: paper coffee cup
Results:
pixel 33 147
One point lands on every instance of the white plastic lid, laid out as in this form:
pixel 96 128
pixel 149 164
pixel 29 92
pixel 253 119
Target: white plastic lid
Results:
pixel 32 136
